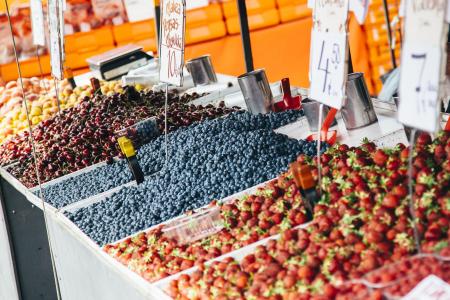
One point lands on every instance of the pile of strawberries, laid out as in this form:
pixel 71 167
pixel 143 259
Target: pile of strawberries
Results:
pixel 361 223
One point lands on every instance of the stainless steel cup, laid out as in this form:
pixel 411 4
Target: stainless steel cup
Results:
pixel 311 110
pixel 357 110
pixel 256 90
pixel 201 70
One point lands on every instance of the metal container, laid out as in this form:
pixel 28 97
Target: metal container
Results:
pixel 357 110
pixel 202 70
pixel 256 91
pixel 311 110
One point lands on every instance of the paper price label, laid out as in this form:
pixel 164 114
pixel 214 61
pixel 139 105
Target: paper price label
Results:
pixel 55 38
pixel 171 48
pixel 431 288
pixel 419 87
pixel 37 22
pixel 328 68
pixel 422 68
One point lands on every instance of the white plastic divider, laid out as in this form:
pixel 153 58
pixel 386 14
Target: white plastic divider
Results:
pixel 238 255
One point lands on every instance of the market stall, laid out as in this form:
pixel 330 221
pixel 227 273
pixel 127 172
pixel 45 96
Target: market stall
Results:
pixel 152 176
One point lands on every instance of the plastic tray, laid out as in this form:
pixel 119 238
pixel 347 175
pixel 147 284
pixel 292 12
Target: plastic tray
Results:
pixel 194 227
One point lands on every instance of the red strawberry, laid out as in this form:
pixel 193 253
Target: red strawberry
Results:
pixel 433 232
pixel 423 139
pixel 264 224
pixel 393 164
pixel 400 190
pixel 277 218
pixel 420 189
pixel 391 201
pixel 380 158
pixel 305 272
pixel 404 155
pixel 439 152
pixel 343 148
pixel 289 281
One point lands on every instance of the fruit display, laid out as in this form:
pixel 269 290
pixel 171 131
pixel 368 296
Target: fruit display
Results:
pixel 273 208
pixel 80 136
pixel 208 160
pixel 361 223
pixel 151 158
pixel 41 102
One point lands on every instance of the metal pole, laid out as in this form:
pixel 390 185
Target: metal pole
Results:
pixel 389 31
pixel 157 20
pixel 245 35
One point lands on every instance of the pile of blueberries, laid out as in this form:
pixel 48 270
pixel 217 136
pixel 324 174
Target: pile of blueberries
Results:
pixel 206 161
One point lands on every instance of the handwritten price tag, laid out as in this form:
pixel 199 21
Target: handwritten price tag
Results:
pixel 328 71
pixel 171 48
pixel 419 87
pixel 328 59
pixel 431 288
pixel 422 69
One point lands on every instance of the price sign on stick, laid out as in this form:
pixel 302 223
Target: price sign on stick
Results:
pixel 171 46
pixel 328 59
pixel 328 54
pixel 55 38
pixel 423 64
pixel 37 22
